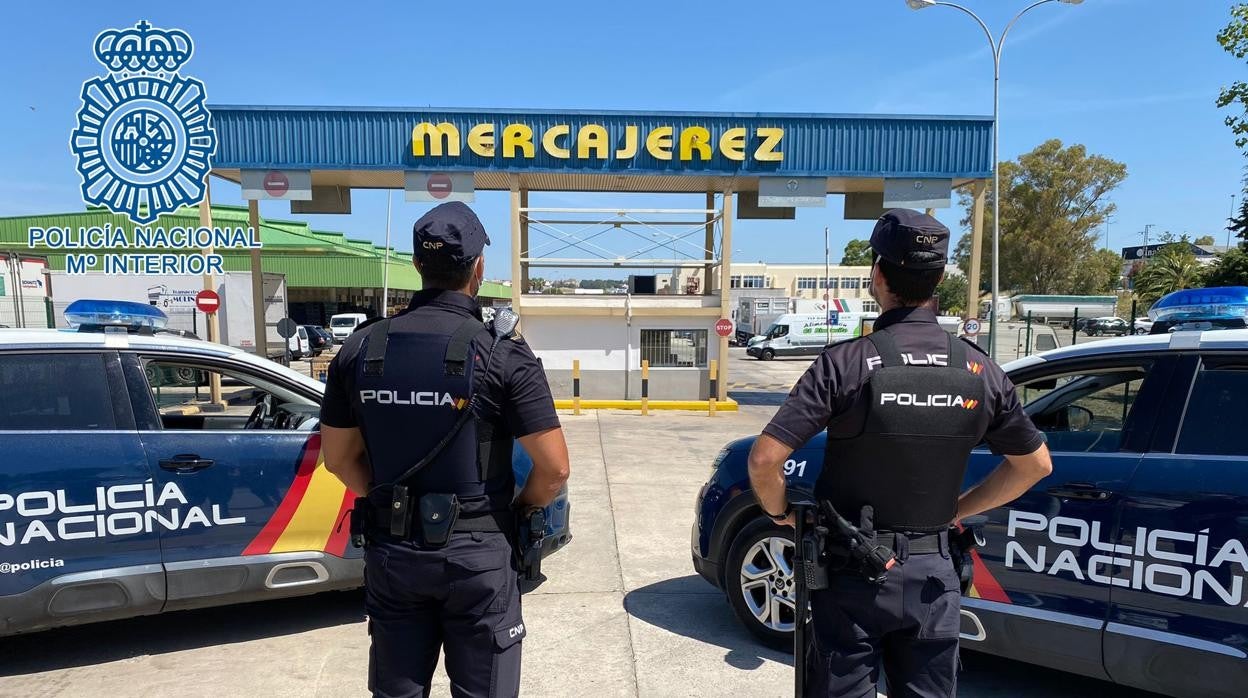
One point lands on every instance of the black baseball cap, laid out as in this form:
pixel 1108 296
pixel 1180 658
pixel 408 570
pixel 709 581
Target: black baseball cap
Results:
pixel 911 240
pixel 450 233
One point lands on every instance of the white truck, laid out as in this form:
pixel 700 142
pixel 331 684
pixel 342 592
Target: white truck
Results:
pixel 175 295
pixel 796 334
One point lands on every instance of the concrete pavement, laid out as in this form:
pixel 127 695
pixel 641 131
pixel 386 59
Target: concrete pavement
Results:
pixel 621 614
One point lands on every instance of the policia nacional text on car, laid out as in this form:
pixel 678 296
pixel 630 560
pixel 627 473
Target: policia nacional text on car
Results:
pixel 903 407
pixel 419 415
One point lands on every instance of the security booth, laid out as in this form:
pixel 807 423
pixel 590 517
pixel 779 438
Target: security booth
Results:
pixel 742 166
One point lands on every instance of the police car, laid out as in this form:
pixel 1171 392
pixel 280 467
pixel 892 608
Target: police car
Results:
pixel 1129 563
pixel 124 490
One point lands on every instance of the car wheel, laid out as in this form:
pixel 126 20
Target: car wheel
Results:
pixel 760 584
pixel 767 355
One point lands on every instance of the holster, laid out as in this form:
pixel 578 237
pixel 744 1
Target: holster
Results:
pixel 361 514
pixel 438 514
pixel 961 543
pixel 863 554
pixel 529 536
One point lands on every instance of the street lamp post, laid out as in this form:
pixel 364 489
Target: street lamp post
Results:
pixel 996 46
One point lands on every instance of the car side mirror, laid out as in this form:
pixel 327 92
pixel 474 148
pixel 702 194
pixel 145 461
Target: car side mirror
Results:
pixel 1078 418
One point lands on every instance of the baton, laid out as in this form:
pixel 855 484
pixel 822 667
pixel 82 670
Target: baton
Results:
pixel 801 607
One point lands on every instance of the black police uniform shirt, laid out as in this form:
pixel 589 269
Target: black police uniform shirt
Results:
pixel 514 397
pixel 827 395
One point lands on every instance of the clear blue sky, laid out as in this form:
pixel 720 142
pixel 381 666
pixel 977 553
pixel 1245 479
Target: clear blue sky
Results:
pixel 1134 80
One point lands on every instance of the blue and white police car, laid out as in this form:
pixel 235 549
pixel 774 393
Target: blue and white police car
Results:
pixel 1129 563
pixel 127 489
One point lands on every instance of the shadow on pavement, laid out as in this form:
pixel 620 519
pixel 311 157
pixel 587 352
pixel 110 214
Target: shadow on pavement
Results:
pixel 173 632
pixel 690 607
pixel 753 397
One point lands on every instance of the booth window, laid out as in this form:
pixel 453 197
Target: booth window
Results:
pixel 674 348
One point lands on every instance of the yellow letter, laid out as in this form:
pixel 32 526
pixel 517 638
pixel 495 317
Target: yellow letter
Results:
pixel 435 139
pixel 548 141
pixel 695 138
pixel 517 136
pixel 767 149
pixel 481 140
pixel 659 143
pixel 732 144
pixel 592 137
pixel 630 144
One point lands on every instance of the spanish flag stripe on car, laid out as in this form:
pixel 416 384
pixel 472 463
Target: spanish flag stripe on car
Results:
pixel 308 515
pixel 985 585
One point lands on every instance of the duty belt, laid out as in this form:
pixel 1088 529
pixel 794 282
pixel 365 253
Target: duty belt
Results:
pixel 915 544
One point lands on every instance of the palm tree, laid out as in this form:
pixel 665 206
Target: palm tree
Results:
pixel 1173 268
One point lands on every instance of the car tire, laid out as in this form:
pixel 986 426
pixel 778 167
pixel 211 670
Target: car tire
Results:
pixel 767 355
pixel 754 601
pixel 1141 330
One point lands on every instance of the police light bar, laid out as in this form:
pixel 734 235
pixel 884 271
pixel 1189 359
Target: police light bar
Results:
pixel 99 315
pixel 1222 303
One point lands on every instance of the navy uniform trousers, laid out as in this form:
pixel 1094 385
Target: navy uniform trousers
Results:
pixel 908 625
pixel 464 597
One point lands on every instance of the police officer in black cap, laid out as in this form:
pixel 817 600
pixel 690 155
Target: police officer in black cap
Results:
pixel 418 420
pixel 903 407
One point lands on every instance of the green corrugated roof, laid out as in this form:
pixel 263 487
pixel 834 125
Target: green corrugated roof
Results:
pixel 308 258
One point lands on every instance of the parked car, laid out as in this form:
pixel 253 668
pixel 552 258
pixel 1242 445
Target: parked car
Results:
pixel 1126 564
pixel 123 493
pixel 320 339
pixel 1101 326
pixel 299 344
pixel 1142 325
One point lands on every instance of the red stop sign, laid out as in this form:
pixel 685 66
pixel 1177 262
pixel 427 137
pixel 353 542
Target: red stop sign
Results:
pixel 207 301
pixel 723 327
pixel 439 185
pixel 276 183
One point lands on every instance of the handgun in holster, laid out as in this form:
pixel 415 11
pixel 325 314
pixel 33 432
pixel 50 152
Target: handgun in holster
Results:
pixel 531 532
pixel 961 543
pixel 360 511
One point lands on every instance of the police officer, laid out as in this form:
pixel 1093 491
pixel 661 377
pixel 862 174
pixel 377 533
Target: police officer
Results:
pixel 419 415
pixel 903 407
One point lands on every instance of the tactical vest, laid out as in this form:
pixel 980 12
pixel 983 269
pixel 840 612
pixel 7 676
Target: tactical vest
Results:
pixel 416 388
pixel 909 456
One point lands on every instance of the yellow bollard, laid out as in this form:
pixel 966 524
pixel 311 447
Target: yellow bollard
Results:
pixel 576 386
pixel 714 392
pixel 645 387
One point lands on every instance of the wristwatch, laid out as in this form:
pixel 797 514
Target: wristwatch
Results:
pixel 779 518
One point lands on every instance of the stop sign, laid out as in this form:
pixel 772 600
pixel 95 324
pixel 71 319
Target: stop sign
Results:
pixel 723 327
pixel 207 301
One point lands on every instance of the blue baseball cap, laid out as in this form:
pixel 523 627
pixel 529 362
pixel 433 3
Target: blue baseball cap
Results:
pixel 449 232
pixel 911 240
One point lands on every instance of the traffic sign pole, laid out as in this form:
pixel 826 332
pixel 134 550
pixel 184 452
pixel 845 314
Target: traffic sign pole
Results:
pixel 210 284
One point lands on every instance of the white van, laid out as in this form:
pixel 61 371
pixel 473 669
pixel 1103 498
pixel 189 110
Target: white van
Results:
pixel 299 344
pixel 795 335
pixel 343 324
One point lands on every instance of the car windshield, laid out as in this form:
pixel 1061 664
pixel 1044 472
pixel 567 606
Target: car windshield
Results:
pixel 342 322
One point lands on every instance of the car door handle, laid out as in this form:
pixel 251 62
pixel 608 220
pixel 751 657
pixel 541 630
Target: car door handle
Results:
pixel 1080 490
pixel 186 463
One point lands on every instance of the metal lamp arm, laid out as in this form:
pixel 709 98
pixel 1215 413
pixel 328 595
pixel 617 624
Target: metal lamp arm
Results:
pixel 992 43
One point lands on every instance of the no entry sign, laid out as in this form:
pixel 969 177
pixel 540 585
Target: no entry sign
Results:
pixel 207 301
pixel 723 327
pixel 276 183
pixel 439 185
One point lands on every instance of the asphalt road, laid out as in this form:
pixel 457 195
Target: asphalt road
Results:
pixel 622 612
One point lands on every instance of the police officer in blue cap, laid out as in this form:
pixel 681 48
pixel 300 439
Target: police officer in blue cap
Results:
pixel 418 420
pixel 903 407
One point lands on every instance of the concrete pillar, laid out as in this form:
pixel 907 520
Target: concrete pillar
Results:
pixel 257 283
pixel 524 240
pixel 979 191
pixel 710 242
pixel 516 279
pixel 210 284
pixel 725 270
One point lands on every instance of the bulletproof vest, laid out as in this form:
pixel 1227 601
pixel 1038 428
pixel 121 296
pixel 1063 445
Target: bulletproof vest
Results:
pixel 414 386
pixel 909 456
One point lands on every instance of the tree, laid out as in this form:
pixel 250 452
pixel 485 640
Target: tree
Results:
pixel 1234 40
pixel 1231 269
pixel 1099 273
pixel 952 293
pixel 1173 268
pixel 1053 204
pixel 857 254
pixel 1203 240
pixel 1239 224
